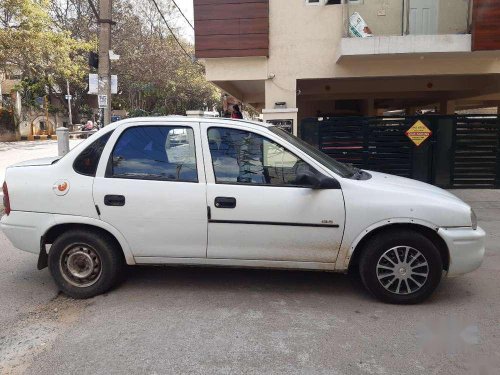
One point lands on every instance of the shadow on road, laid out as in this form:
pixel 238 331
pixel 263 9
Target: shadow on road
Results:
pixel 234 279
pixel 214 280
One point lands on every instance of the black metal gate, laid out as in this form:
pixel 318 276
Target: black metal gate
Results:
pixel 462 152
pixel 476 158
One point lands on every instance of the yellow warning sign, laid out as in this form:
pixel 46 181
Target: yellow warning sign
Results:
pixel 418 133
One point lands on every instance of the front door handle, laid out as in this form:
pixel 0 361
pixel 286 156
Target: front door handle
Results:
pixel 114 200
pixel 225 202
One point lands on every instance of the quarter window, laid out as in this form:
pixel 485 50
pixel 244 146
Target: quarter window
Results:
pixel 243 157
pixel 86 163
pixel 155 153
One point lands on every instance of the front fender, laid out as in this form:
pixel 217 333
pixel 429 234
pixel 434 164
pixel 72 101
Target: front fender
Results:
pixel 348 245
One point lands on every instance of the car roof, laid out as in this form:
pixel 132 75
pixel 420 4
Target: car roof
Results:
pixel 192 120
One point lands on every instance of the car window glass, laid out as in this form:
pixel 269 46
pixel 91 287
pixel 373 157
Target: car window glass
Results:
pixel 86 163
pixel 155 153
pixel 247 158
pixel 341 169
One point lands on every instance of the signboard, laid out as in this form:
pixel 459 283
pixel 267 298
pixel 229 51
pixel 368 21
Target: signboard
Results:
pixel 103 101
pixel 358 27
pixel 418 133
pixel 94 84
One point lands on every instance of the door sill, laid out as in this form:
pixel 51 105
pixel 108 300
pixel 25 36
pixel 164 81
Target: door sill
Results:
pixel 243 263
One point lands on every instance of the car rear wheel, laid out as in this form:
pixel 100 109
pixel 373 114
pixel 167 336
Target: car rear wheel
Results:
pixel 402 267
pixel 85 264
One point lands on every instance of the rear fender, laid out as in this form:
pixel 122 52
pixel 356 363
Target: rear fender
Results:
pixel 65 219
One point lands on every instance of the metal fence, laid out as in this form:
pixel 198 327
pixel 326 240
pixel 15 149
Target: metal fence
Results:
pixel 462 152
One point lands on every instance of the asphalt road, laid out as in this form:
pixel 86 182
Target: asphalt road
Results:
pixel 230 321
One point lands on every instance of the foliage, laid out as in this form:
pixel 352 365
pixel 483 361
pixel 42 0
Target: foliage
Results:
pixel 49 40
pixel 30 43
pixel 155 75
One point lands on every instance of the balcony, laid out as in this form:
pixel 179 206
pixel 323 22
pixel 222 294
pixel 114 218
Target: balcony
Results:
pixel 406 27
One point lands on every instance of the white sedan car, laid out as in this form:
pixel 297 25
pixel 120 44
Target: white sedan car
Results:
pixel 214 192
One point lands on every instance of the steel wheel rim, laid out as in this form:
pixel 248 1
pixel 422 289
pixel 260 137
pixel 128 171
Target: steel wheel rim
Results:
pixel 80 265
pixel 402 270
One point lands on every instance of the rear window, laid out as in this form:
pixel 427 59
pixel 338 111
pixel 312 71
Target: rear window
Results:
pixel 86 163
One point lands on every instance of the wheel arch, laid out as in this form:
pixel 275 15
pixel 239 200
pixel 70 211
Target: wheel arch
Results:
pixel 421 227
pixel 62 225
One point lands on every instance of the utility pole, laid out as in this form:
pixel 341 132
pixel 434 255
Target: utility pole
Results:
pixel 46 103
pixel 105 23
pixel 69 103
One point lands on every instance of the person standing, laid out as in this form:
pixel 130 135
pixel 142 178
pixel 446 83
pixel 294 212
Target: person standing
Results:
pixel 236 112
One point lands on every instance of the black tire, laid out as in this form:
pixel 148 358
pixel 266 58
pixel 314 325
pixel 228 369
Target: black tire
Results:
pixel 105 262
pixel 393 244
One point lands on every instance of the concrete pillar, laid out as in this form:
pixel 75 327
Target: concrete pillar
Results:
pixel 62 141
pixel 284 90
pixel 447 107
pixel 411 111
pixel 369 107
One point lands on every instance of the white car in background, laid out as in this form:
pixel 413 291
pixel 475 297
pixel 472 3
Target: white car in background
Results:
pixel 215 192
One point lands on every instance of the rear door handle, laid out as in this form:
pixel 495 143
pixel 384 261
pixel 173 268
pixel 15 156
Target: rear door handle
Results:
pixel 114 200
pixel 225 202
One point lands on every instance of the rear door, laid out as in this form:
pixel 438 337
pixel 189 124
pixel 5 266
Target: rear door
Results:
pixel 150 185
pixel 257 211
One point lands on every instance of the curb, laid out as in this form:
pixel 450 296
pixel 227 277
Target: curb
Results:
pixel 39 137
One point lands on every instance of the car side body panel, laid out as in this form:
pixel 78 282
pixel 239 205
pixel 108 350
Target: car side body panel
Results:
pixel 272 223
pixel 390 202
pixel 55 189
pixel 159 218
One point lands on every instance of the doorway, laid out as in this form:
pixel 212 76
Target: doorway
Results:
pixel 422 17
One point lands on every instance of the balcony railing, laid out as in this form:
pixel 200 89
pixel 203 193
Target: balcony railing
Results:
pixel 372 18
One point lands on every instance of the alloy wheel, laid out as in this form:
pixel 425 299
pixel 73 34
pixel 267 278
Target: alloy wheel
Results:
pixel 402 270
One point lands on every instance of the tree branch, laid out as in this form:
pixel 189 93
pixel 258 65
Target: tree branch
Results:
pixel 94 9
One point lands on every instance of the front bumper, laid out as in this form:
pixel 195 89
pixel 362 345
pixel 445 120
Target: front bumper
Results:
pixel 466 247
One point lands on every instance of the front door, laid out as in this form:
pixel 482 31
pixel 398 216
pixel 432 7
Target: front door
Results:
pixel 150 186
pixel 423 17
pixel 257 211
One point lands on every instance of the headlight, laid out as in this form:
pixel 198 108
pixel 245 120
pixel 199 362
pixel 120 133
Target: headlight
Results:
pixel 473 219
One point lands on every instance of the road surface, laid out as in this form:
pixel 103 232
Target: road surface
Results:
pixel 171 320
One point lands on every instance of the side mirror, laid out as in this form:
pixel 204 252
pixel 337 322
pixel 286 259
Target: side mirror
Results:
pixel 313 180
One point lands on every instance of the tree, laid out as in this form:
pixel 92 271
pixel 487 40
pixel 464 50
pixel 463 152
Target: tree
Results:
pixel 29 42
pixel 49 42
pixel 154 74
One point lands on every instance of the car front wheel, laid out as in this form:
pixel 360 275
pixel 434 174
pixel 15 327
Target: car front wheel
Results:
pixel 84 263
pixel 402 267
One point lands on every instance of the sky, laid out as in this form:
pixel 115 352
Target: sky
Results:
pixel 187 9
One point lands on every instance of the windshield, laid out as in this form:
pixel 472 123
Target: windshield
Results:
pixel 335 166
